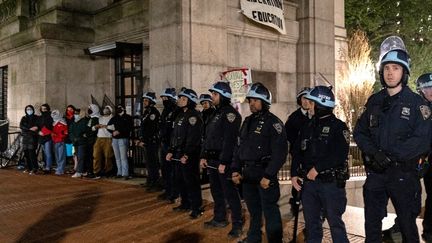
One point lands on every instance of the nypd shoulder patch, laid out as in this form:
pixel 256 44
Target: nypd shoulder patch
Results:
pixel 278 128
pixel 152 117
pixel 231 117
pixel 425 111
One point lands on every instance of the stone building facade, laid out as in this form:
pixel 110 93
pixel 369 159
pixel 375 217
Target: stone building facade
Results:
pixel 63 51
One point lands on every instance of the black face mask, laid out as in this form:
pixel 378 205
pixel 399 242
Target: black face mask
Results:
pixel 119 110
pixel 320 112
pixel 166 103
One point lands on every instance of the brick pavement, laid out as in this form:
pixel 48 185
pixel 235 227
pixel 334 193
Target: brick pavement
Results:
pixel 48 208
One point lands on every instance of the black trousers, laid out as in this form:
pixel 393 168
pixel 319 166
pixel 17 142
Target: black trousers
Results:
pixel 88 158
pixel 223 189
pixel 263 201
pixel 152 151
pixel 168 173
pixel 404 189
pixel 188 181
pixel 31 159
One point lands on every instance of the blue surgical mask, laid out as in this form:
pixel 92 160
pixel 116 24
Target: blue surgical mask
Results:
pixel 77 117
pixel 29 112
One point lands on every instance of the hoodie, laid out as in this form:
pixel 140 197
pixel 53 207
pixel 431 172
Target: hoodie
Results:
pixel 60 128
pixel 45 124
pixel 94 114
pixel 28 121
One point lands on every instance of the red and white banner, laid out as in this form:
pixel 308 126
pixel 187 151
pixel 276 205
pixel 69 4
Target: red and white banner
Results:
pixel 240 80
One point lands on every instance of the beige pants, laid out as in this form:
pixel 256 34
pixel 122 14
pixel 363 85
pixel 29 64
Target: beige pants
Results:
pixel 103 155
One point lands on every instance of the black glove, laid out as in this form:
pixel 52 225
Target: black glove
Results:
pixel 381 160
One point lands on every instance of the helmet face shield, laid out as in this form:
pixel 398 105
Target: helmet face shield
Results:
pixel 323 96
pixel 205 97
pixel 424 85
pixel 302 93
pixel 259 91
pixel 151 96
pixel 391 43
pixel 170 93
pixel 426 89
pixel 399 57
pixel 190 94
pixel 223 88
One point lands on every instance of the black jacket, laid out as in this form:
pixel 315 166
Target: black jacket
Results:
pixel 78 132
pixel 29 137
pixel 45 124
pixel 121 123
pixel 323 144
pixel 262 138
pixel 90 133
pixel 167 118
pixel 293 125
pixel 398 125
pixel 221 134
pixel 186 135
pixel 149 130
pixel 207 114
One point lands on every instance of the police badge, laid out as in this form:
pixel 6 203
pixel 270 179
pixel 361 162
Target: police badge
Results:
pixel 192 120
pixel 406 111
pixel 326 130
pixel 346 134
pixel 426 112
pixel 231 117
pixel 278 127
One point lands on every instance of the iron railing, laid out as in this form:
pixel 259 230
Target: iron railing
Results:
pixel 355 165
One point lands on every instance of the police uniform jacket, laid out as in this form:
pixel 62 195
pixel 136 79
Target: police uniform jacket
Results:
pixel 398 125
pixel 262 139
pixel 293 125
pixel 221 134
pixel 207 115
pixel 322 143
pixel 149 130
pixel 186 134
pixel 166 122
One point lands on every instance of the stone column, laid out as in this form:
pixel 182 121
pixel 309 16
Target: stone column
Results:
pixel 188 45
pixel 341 45
pixel 165 43
pixel 315 49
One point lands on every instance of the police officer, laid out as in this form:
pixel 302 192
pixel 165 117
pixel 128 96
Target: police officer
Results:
pixel 293 125
pixel 184 151
pixel 320 155
pixel 208 108
pixel 149 138
pixel 206 113
pixel 167 118
pixel 393 133
pixel 219 142
pixel 261 152
pixel 424 87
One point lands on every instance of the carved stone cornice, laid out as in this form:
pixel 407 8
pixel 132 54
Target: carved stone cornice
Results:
pixel 7 9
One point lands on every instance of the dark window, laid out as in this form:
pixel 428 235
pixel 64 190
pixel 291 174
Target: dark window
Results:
pixel 129 82
pixel 3 92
